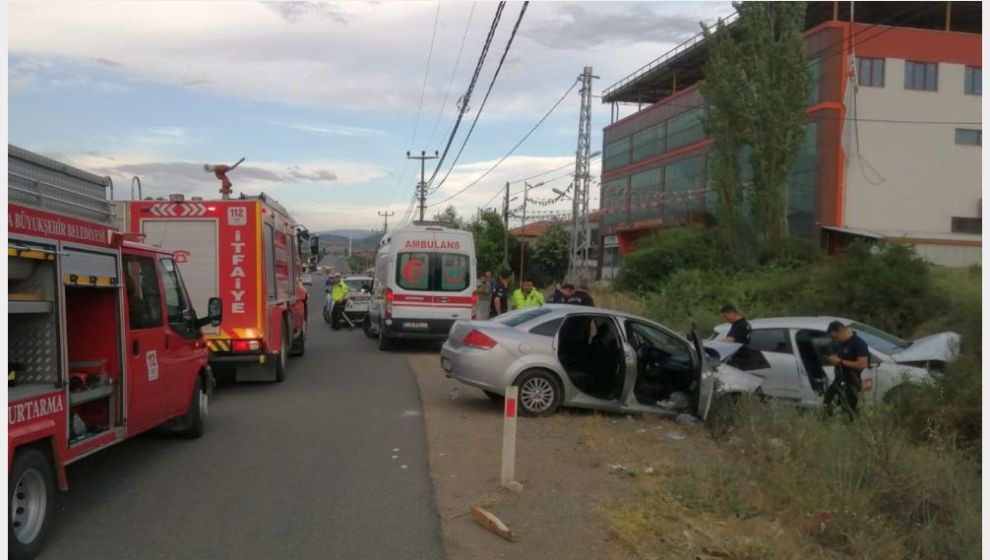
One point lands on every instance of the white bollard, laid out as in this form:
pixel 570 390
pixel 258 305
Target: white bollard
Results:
pixel 509 436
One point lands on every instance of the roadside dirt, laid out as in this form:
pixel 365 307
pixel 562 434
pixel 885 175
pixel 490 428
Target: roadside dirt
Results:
pixel 579 470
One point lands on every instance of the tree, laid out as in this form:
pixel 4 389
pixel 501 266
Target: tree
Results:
pixel 489 239
pixel 757 87
pixel 450 218
pixel 551 252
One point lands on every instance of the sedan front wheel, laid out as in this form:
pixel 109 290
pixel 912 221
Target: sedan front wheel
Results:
pixel 540 393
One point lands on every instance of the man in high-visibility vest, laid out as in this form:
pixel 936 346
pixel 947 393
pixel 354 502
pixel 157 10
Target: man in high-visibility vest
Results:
pixel 339 297
pixel 526 296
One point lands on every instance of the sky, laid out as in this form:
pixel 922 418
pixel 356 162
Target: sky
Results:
pixel 323 99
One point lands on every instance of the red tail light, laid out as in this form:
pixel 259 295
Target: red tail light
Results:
pixel 478 339
pixel 474 305
pixel 245 345
pixel 389 296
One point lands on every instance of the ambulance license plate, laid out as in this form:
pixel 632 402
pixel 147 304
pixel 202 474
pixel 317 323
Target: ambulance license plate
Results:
pixel 408 325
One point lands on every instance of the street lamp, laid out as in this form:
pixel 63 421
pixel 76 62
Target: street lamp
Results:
pixel 562 193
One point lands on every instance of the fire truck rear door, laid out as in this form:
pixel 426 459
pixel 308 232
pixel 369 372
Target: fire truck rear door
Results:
pixel 195 245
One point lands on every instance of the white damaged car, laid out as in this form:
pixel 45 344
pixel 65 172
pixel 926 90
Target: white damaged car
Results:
pixel 788 353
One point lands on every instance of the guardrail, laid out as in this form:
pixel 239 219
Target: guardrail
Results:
pixel 666 57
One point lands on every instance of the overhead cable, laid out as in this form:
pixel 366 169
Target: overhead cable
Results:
pixel 514 148
pixel 491 85
pixel 466 99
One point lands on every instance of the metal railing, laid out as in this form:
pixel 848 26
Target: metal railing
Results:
pixel 666 57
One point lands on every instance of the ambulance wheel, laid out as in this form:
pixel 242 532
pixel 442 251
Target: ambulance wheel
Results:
pixel 366 327
pixel 199 405
pixel 32 501
pixel 384 342
pixel 282 360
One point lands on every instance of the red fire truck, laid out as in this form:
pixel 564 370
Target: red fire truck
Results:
pixel 102 342
pixel 247 250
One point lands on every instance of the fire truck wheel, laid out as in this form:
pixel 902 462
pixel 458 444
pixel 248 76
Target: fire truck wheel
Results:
pixel 299 343
pixel 282 360
pixel 199 404
pixel 32 501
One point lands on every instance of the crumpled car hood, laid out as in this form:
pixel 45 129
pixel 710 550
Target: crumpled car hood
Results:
pixel 943 347
pixel 725 350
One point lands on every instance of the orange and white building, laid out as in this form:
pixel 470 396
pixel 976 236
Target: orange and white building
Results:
pixel 893 154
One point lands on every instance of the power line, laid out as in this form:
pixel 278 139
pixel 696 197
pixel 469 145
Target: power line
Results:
pixel 453 74
pixel 426 75
pixel 422 94
pixel 519 143
pixel 466 99
pixel 484 101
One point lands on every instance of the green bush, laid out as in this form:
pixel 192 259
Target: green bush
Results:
pixel 667 251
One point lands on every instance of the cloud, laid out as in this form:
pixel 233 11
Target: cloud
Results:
pixel 582 26
pixel 302 53
pixel 331 129
pixel 297 11
pixel 106 62
pixel 23 73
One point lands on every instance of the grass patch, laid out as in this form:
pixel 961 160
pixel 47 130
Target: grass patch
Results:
pixel 903 481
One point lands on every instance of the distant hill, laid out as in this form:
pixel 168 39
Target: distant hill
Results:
pixel 353 233
pixel 362 239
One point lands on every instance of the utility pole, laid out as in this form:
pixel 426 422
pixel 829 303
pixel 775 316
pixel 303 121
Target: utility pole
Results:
pixel 386 215
pixel 580 227
pixel 522 233
pixel 421 188
pixel 505 222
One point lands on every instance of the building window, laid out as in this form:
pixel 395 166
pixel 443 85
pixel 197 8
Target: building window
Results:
pixel 614 201
pixel 649 142
pixel 967 137
pixel 974 81
pixel 921 76
pixel 967 225
pixel 645 188
pixel 684 183
pixel 871 72
pixel 617 153
pixel 685 129
pixel 815 71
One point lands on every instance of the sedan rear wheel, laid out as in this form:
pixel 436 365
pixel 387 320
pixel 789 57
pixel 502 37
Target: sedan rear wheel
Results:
pixel 540 393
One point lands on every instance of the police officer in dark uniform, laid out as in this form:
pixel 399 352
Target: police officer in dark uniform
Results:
pixel 740 331
pixel 850 356
pixel 500 295
pixel 581 295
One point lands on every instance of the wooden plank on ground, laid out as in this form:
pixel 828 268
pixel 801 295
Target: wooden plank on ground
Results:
pixel 487 520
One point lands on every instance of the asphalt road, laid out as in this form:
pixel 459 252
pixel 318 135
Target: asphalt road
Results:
pixel 331 463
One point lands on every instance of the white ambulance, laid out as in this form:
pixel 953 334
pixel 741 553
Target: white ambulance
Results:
pixel 424 281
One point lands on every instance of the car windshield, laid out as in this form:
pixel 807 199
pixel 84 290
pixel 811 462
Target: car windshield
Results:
pixel 514 318
pixel 878 339
pixel 355 284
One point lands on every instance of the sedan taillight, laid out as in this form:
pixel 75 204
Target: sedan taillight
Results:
pixel 478 339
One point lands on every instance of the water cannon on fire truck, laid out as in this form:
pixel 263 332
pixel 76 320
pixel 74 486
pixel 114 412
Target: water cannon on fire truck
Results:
pixel 220 171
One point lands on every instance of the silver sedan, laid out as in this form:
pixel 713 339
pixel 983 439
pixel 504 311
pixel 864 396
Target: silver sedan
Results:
pixel 569 355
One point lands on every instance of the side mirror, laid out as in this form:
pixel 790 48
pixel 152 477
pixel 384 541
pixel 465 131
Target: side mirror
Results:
pixel 214 311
